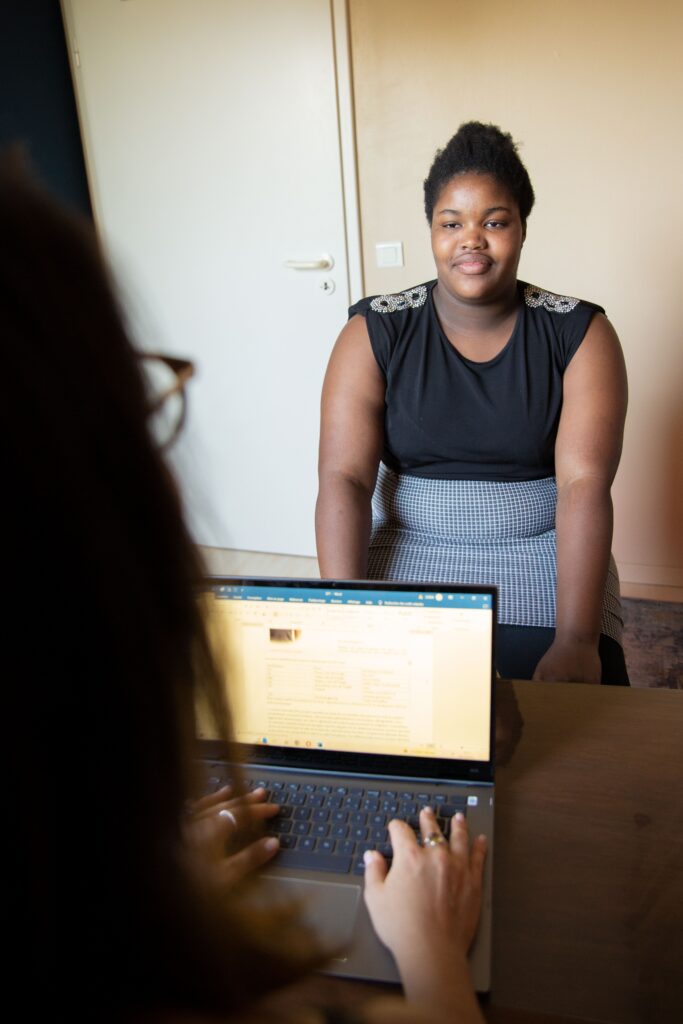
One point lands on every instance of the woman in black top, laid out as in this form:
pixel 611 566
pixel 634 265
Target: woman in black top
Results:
pixel 482 417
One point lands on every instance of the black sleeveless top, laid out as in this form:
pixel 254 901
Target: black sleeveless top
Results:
pixel 450 418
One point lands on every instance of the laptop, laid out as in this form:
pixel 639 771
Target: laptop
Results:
pixel 354 703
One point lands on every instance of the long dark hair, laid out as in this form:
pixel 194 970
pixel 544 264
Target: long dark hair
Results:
pixel 107 651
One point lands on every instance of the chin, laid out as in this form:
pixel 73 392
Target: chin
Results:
pixel 476 292
pixel 480 289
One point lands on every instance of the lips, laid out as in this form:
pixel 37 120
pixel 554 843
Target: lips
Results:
pixel 473 257
pixel 473 263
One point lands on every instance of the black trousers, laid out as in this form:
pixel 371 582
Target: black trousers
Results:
pixel 520 648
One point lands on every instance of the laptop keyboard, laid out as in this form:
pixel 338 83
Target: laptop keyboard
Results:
pixel 329 826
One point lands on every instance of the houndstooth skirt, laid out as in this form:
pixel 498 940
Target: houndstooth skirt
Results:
pixel 477 531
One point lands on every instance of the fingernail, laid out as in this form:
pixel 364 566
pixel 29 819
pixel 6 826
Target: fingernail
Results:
pixel 459 816
pixel 428 808
pixel 368 856
pixel 272 843
pixel 482 839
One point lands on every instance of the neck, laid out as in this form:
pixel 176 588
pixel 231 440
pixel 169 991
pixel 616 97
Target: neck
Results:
pixel 471 317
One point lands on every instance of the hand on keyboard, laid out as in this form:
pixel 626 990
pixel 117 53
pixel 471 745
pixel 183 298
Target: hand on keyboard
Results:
pixel 223 831
pixel 328 826
pixel 425 907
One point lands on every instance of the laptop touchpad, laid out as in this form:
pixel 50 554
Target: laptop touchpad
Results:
pixel 329 908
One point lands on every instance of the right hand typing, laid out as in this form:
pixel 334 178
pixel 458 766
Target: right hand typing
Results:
pixel 426 907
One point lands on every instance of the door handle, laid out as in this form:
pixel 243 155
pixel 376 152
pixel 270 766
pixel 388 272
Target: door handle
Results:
pixel 324 263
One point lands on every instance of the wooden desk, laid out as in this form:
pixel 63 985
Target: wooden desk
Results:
pixel 588 875
pixel 588 872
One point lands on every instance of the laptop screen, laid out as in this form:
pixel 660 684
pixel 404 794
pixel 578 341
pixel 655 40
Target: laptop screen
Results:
pixel 377 669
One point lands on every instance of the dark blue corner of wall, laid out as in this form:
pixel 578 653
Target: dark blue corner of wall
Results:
pixel 37 104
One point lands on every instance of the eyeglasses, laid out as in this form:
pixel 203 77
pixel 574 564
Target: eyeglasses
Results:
pixel 165 378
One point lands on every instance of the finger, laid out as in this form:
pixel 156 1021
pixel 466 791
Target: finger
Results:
pixel 210 800
pixel 429 826
pixel 253 796
pixel 257 812
pixel 241 812
pixel 242 816
pixel 226 794
pixel 402 836
pixel 233 869
pixel 477 858
pixel 375 870
pixel 459 838
pixel 250 800
pixel 225 798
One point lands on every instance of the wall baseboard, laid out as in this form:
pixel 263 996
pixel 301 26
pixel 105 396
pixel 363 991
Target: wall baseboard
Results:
pixel 651 591
pixel 651 582
pixel 230 562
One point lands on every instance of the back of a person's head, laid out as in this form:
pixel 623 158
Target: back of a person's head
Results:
pixel 106 644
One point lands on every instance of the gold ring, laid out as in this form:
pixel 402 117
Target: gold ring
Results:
pixel 434 839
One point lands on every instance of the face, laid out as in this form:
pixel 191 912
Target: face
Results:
pixel 477 237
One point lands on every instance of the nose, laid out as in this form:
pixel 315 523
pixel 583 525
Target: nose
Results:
pixel 472 237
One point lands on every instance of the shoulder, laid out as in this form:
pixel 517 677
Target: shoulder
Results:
pixel 536 297
pixel 562 321
pixel 414 298
pixel 392 319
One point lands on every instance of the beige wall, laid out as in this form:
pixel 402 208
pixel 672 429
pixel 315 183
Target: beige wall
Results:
pixel 593 89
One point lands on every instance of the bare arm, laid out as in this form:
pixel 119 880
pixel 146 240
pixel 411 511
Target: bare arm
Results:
pixel 351 439
pixel 587 455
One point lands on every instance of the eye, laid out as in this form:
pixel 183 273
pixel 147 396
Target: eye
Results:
pixel 495 224
pixel 451 224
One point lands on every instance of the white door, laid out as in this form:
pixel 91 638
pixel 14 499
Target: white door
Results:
pixel 212 141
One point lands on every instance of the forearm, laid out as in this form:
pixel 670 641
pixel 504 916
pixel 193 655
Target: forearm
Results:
pixel 439 979
pixel 343 517
pixel 584 538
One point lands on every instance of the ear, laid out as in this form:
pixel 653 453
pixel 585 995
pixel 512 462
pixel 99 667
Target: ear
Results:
pixel 523 232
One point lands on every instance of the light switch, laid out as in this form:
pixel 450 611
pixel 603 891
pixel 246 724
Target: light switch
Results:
pixel 389 254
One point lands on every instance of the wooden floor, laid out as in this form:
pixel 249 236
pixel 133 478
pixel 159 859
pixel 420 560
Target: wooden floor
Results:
pixel 653 630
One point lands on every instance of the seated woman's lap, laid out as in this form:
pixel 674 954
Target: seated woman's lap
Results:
pixel 520 648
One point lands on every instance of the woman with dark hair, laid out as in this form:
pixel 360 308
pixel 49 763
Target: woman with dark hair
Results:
pixel 123 904
pixel 472 427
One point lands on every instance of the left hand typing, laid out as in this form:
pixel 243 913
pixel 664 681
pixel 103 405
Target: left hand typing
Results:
pixel 220 823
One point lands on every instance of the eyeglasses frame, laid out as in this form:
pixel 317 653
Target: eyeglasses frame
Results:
pixel 184 370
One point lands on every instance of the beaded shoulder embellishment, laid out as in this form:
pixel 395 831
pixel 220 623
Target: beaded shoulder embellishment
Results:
pixel 412 299
pixel 534 297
